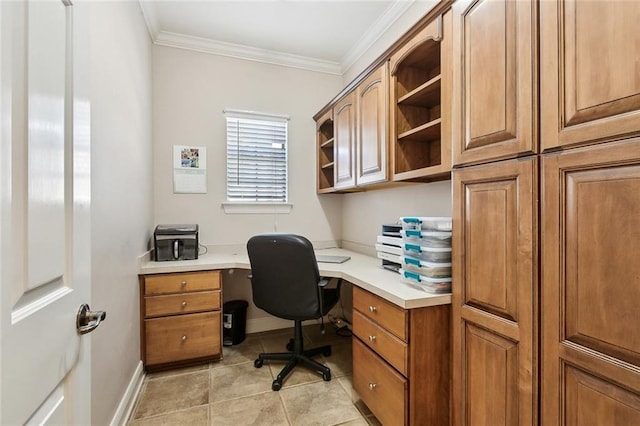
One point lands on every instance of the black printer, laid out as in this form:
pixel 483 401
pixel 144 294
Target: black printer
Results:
pixel 176 242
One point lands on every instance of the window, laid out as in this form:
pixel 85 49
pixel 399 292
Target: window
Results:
pixel 256 158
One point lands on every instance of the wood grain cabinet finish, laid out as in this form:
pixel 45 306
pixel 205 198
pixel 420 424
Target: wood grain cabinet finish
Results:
pixel 372 138
pixel 344 115
pixel 589 73
pixel 420 104
pixel 180 319
pixel 591 285
pixel 494 102
pixel 494 300
pixel 401 360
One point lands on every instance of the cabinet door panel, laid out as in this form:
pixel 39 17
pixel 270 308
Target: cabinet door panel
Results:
pixel 372 137
pixel 591 280
pixel 590 81
pixel 495 293
pixel 494 103
pixel 345 127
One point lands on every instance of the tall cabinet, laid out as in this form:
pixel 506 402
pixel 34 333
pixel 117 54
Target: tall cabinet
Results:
pixel 546 290
pixel 495 220
pixel 590 107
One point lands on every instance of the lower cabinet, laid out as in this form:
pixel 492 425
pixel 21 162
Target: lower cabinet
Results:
pixel 401 360
pixel 591 286
pixel 495 296
pixel 180 319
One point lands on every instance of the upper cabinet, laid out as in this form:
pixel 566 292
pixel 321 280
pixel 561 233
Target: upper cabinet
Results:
pixel 494 80
pixel 372 139
pixel 420 103
pixel 589 73
pixel 344 114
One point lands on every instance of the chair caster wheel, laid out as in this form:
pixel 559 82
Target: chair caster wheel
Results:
pixel 327 352
pixel 276 385
pixel 258 363
pixel 326 377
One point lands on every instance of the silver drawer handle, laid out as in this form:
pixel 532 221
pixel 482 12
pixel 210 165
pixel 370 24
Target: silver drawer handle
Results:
pixel 184 304
pixel 372 386
pixel 372 338
pixel 184 338
pixel 372 309
pixel 183 284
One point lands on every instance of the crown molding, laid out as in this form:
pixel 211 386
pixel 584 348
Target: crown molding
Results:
pixel 382 24
pixel 214 47
pixel 246 52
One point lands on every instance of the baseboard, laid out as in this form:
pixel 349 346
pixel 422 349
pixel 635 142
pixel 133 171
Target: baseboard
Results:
pixel 129 397
pixel 257 325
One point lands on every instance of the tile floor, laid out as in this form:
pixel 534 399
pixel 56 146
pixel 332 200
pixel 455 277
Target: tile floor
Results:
pixel 234 392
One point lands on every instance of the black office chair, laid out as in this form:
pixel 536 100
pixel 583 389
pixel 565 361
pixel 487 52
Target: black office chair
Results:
pixel 286 283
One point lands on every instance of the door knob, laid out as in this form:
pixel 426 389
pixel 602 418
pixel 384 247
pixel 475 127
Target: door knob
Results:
pixel 88 320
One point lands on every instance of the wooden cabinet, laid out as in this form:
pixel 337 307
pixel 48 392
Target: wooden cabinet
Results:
pixel 401 360
pixel 589 75
pixel 494 80
pixel 591 285
pixel 372 139
pixel 325 144
pixel 344 113
pixel 357 139
pixel 180 318
pixel 495 298
pixel 420 103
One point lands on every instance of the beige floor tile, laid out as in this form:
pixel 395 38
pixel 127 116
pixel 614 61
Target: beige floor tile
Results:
pixel 235 381
pixel 173 393
pixel 314 334
pixel 357 422
pixel 340 361
pixel 247 351
pixel 265 409
pixel 189 417
pixel 347 384
pixel 318 404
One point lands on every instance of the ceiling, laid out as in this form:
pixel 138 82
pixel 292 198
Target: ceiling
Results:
pixel 321 35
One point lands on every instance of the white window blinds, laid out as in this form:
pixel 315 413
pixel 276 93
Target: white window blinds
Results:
pixel 256 157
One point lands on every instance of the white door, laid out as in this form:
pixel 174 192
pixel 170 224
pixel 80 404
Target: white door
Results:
pixel 44 218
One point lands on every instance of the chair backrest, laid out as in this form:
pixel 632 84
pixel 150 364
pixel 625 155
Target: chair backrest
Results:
pixel 284 276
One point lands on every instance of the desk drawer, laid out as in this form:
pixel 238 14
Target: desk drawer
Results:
pixel 182 282
pixel 388 346
pixel 156 306
pixel 182 337
pixel 385 313
pixel 380 386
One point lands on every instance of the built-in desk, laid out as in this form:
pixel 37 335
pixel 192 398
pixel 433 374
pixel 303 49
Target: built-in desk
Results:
pixel 363 271
pixel 401 334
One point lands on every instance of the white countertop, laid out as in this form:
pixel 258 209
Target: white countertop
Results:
pixel 364 271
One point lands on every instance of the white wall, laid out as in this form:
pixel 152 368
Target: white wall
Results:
pixel 364 213
pixel 190 91
pixel 121 212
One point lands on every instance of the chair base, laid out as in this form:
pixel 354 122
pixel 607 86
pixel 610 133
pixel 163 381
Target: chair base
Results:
pixel 298 356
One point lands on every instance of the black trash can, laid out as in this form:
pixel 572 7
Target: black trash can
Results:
pixel 234 322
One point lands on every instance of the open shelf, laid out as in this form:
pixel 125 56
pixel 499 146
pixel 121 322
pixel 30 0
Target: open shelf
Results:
pixel 325 143
pixel 426 132
pixel 417 103
pixel 425 94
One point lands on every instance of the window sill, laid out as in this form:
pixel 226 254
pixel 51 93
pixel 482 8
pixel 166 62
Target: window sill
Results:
pixel 239 207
